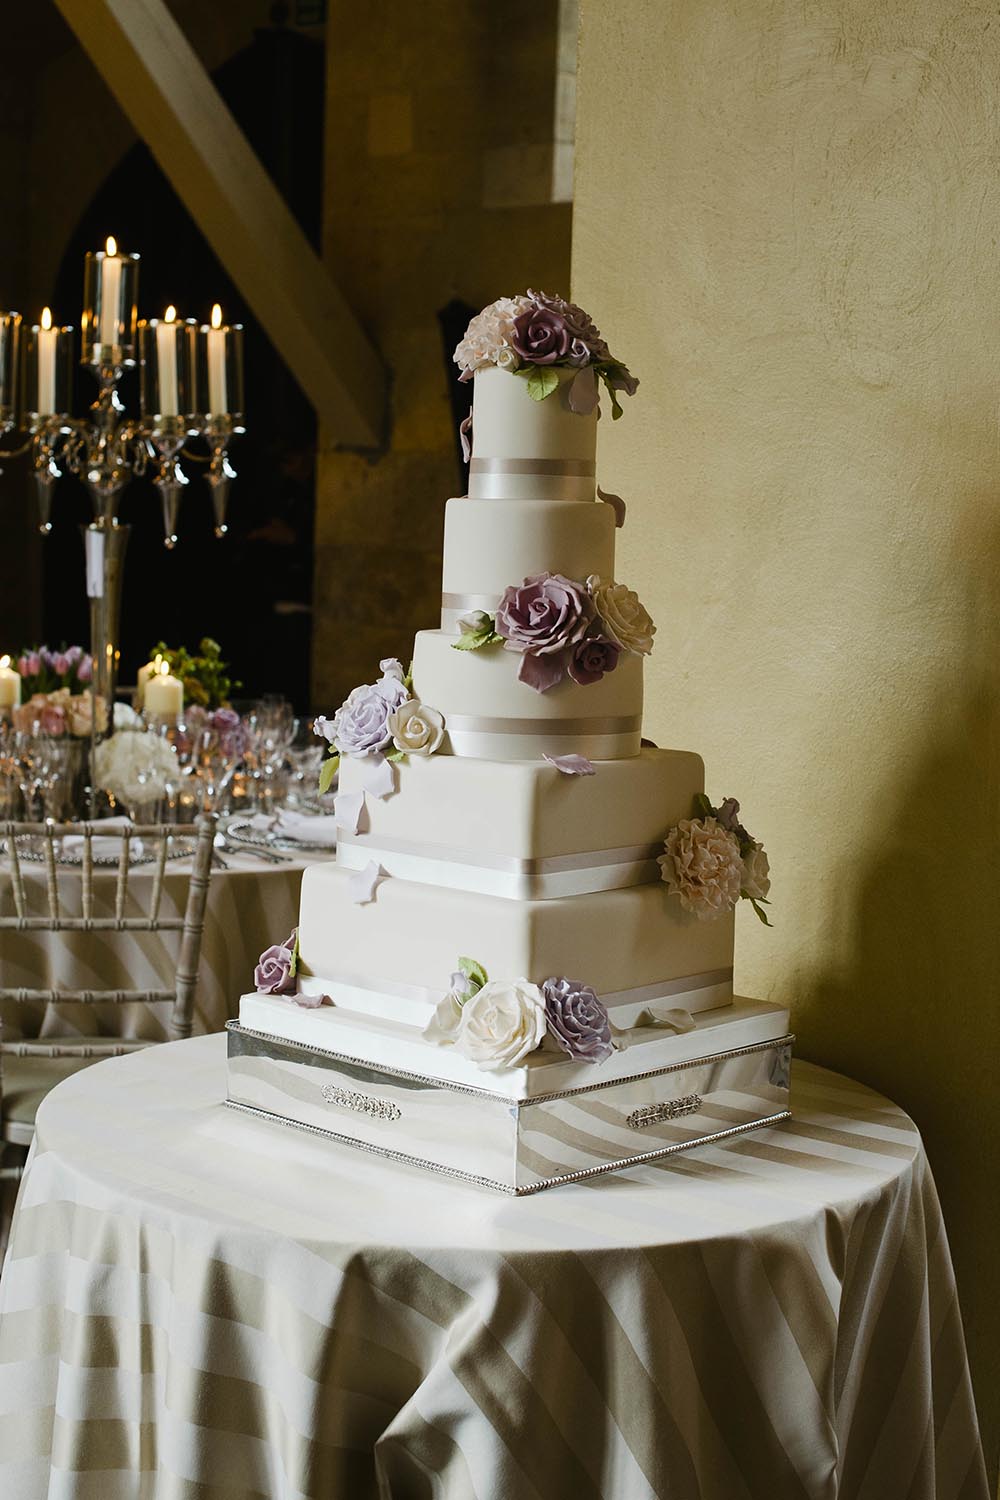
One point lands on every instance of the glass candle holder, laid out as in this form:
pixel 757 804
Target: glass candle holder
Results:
pixel 110 290
pixel 166 381
pixel 219 374
pixel 10 333
pixel 46 370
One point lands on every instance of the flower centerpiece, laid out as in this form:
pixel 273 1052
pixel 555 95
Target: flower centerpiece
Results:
pixel 204 673
pixel 562 628
pixel 710 862
pixel 533 335
pixel 56 695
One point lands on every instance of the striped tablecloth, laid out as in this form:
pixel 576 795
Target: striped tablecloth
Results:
pixel 200 1306
pixel 250 905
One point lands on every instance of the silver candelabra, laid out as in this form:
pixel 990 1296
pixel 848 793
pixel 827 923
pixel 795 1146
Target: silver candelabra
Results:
pixel 191 386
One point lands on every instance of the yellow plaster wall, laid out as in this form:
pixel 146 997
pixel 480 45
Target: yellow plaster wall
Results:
pixel 787 219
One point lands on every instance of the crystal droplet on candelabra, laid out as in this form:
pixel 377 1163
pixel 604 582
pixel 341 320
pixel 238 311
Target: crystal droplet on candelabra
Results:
pixel 220 499
pixel 43 495
pixel 170 494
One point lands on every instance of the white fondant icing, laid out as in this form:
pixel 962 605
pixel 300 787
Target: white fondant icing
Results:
pixel 508 425
pixel 389 1044
pixel 473 824
pixel 489 546
pixel 413 935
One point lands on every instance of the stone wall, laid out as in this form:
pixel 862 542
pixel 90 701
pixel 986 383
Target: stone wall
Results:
pixel 440 149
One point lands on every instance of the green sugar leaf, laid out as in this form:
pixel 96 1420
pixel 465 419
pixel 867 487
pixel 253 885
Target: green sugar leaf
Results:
pixel 473 971
pixel 542 382
pixel 327 772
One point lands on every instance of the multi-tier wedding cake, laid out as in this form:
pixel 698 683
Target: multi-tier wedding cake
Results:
pixel 520 967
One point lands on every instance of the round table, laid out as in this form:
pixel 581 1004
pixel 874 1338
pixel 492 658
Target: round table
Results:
pixel 199 1304
pixel 251 904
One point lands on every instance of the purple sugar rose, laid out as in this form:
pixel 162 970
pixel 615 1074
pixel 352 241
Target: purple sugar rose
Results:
pixel 543 617
pixel 577 1020
pixel 540 336
pixel 591 659
pixel 579 324
pixel 273 974
pixel 361 724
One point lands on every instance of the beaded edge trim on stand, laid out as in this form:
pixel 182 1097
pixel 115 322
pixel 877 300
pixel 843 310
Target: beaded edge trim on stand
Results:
pixel 499 1187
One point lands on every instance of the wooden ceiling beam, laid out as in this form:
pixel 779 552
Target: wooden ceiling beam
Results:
pixel 154 73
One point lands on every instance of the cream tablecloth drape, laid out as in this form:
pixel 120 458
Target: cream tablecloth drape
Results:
pixel 250 904
pixel 201 1306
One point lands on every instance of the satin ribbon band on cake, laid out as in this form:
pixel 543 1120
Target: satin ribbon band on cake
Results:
pixel 453 605
pixel 564 478
pixel 413 1004
pixel 602 737
pixel 503 874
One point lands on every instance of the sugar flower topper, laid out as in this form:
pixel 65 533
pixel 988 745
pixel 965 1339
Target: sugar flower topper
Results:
pixel 710 862
pixel 562 628
pixel 535 334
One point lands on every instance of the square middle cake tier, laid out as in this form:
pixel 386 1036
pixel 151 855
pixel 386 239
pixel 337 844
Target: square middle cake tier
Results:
pixel 522 829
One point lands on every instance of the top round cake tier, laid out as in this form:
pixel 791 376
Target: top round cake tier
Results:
pixel 530 450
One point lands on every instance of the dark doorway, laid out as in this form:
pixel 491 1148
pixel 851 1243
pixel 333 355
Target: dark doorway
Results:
pixel 251 591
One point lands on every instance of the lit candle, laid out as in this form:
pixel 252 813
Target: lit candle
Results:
pixel 217 394
pixel 111 285
pixel 45 399
pixel 164 698
pixel 166 363
pixel 10 684
pixel 145 673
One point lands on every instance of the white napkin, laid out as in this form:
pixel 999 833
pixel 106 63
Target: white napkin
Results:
pixel 298 827
pixel 101 846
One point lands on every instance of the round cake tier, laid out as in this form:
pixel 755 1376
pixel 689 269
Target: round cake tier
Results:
pixel 489 545
pixel 530 450
pixel 490 715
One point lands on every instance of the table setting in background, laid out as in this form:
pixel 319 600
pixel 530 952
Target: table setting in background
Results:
pixel 183 746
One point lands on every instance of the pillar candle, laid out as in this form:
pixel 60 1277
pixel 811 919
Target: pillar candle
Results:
pixel 167 334
pixel 145 673
pixel 164 698
pixel 217 393
pixel 45 396
pixel 10 684
pixel 111 283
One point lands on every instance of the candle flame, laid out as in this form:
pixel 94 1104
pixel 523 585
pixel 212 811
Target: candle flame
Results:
pixel 111 245
pixel 4 663
pixel 216 316
pixel 46 317
pixel 163 668
pixel 170 314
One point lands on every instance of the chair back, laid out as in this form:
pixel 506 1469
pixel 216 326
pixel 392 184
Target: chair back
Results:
pixel 146 895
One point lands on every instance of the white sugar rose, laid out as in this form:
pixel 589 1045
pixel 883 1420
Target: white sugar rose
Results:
pixel 487 339
pixel 701 865
pixel 501 1023
pixel 756 873
pixel 415 728
pixel 625 620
